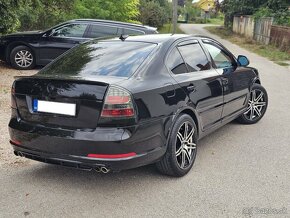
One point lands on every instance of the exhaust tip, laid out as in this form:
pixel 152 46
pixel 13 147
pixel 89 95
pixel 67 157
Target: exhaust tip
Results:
pixel 98 169
pixel 105 170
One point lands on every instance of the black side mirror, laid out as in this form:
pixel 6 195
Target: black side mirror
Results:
pixel 243 60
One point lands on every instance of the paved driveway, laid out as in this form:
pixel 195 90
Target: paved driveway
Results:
pixel 237 167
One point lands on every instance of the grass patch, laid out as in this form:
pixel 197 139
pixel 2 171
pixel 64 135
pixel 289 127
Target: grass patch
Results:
pixel 216 21
pixel 282 63
pixel 269 51
pixel 167 28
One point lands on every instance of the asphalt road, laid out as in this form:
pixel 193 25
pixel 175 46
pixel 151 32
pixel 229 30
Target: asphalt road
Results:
pixel 240 171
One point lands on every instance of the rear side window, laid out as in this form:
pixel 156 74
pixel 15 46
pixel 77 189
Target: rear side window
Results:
pixel 111 58
pixel 175 62
pixel 97 31
pixel 131 32
pixel 194 57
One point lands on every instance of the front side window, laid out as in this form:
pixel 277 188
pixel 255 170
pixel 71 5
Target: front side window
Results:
pixel 194 57
pixel 175 62
pixel 220 58
pixel 98 31
pixel 72 30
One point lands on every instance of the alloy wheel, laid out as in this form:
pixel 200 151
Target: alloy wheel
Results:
pixel 256 105
pixel 23 58
pixel 185 145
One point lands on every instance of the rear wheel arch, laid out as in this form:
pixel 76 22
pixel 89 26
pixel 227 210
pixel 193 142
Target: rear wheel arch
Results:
pixel 189 112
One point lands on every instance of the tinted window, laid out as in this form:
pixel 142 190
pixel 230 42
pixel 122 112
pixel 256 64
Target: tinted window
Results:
pixel 118 58
pixel 175 62
pixel 97 31
pixel 220 58
pixel 194 57
pixel 132 32
pixel 73 30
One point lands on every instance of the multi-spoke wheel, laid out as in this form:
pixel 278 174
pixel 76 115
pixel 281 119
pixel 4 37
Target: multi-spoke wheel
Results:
pixel 257 105
pixel 22 58
pixel 181 151
pixel 185 145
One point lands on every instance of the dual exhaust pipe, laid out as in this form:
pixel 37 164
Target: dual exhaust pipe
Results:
pixel 98 169
pixel 102 170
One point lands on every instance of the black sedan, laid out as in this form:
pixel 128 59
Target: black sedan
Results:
pixel 25 50
pixel 118 104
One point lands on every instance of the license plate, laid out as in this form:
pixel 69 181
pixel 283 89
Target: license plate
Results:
pixel 54 107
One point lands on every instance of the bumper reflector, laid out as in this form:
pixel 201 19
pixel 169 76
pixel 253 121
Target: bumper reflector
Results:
pixel 15 142
pixel 112 156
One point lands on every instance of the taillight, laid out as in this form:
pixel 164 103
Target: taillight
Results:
pixel 118 103
pixel 13 101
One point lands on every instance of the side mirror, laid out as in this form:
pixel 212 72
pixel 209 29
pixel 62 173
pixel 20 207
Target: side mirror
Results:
pixel 243 60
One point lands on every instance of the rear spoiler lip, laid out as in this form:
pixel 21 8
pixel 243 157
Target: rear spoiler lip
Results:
pixel 89 80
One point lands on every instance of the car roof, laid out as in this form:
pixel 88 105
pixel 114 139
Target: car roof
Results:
pixel 113 22
pixel 159 38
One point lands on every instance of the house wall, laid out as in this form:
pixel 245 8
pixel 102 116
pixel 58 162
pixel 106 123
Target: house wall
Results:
pixel 206 5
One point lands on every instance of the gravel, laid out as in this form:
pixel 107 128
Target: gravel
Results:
pixel 7 75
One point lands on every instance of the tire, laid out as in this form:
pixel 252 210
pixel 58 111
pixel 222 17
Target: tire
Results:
pixel 257 106
pixel 22 58
pixel 172 163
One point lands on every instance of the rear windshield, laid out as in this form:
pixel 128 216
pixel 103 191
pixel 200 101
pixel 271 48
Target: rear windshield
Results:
pixel 120 59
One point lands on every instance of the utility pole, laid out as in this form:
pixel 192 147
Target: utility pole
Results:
pixel 174 15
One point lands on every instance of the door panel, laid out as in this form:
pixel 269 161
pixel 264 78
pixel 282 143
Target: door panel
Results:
pixel 207 97
pixel 236 90
pixel 235 79
pixel 202 84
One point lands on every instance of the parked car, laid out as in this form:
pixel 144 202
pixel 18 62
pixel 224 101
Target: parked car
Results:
pixel 27 49
pixel 112 105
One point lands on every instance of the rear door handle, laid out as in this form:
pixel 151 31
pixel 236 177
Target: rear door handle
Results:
pixel 191 88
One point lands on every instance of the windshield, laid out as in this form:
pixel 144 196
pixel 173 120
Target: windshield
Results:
pixel 120 59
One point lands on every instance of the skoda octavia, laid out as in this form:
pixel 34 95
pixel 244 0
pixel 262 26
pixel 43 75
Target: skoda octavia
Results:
pixel 118 104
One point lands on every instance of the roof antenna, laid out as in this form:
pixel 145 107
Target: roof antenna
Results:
pixel 123 37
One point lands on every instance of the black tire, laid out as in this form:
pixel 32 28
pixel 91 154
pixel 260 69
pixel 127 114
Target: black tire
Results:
pixel 247 118
pixel 28 58
pixel 169 164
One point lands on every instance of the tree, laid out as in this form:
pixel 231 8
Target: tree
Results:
pixel 41 14
pixel 8 15
pixel 153 14
pixel 277 8
pixel 121 10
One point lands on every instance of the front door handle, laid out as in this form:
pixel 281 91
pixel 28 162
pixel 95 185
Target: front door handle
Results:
pixel 191 88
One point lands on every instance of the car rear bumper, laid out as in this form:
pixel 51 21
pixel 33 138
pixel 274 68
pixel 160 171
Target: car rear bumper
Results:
pixel 86 163
pixel 108 147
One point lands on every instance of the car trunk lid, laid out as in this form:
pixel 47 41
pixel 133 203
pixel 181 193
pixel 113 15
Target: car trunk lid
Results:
pixel 87 96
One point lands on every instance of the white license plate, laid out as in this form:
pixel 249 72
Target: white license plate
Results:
pixel 54 107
